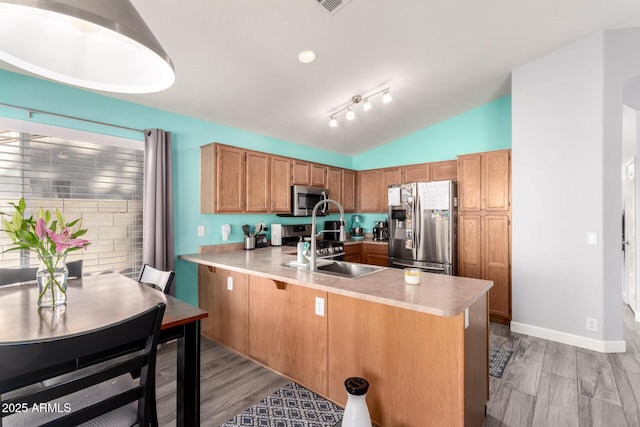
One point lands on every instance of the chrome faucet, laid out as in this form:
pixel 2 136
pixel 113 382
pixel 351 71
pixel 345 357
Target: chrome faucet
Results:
pixel 342 238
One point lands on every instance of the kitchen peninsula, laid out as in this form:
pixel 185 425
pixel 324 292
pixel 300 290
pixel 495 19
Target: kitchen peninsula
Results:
pixel 423 348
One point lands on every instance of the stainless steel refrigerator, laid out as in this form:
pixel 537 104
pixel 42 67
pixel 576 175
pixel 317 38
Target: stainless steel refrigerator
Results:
pixel 423 226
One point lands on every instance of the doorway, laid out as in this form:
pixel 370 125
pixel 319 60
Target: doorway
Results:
pixel 629 286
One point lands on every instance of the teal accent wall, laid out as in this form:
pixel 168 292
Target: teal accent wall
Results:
pixel 485 128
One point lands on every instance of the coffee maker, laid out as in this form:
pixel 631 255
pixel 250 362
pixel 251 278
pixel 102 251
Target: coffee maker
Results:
pixel 381 231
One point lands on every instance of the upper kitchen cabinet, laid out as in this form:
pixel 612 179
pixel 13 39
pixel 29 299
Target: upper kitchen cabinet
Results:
pixel 300 172
pixel 319 175
pixel 442 171
pixel 341 184
pixel 348 190
pixel 388 176
pixel 222 173
pixel 415 173
pixel 280 184
pixel 334 185
pixel 257 181
pixel 484 181
pixel 434 171
pixel 368 190
pixel 372 188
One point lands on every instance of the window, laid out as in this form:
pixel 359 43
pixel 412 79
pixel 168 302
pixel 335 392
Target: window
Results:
pixel 100 183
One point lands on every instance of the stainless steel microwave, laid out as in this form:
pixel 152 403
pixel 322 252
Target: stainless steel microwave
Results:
pixel 303 200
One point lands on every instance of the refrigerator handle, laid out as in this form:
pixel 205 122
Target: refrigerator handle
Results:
pixel 417 266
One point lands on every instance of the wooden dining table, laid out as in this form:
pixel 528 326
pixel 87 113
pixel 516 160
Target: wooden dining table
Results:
pixel 96 301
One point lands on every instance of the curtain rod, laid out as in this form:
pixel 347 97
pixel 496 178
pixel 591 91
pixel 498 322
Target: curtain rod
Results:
pixel 33 110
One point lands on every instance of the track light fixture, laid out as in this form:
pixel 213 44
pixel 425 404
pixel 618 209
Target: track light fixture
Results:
pixel 355 100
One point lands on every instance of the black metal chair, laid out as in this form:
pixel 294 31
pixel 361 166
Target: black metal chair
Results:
pixel 83 378
pixel 16 275
pixel 162 280
pixel 75 269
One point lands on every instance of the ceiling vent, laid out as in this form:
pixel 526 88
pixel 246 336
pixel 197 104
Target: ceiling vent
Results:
pixel 332 6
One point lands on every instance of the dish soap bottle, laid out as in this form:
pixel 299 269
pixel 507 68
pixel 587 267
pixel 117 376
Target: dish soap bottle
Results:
pixel 300 254
pixel 356 412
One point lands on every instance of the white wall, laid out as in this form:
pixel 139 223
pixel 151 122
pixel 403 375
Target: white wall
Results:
pixel 567 153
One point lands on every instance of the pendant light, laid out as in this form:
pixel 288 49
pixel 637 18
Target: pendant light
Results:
pixel 102 45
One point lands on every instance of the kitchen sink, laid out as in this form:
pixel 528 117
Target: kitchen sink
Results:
pixel 348 270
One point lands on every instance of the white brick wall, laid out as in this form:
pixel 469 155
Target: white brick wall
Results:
pixel 113 226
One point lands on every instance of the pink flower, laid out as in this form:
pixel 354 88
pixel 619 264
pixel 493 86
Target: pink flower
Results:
pixel 64 241
pixel 41 228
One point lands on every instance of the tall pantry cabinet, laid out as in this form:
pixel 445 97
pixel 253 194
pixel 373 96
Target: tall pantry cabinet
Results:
pixel 484 225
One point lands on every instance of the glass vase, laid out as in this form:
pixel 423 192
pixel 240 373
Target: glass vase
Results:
pixel 52 281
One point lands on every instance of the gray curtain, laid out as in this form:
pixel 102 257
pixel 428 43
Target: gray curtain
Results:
pixel 157 232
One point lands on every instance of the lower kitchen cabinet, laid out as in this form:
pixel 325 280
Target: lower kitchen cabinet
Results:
pixel 375 254
pixel 484 253
pixel 224 294
pixel 286 334
pixel 352 252
pixel 424 370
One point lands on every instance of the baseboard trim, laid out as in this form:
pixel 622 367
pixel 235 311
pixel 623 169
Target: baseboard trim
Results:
pixel 570 339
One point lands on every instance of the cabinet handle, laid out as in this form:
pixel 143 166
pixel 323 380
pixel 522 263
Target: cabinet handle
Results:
pixel 280 285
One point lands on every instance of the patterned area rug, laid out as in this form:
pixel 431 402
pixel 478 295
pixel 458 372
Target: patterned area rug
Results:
pixel 289 406
pixel 498 359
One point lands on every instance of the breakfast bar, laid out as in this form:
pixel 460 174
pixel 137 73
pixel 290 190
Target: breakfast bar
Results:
pixel 423 347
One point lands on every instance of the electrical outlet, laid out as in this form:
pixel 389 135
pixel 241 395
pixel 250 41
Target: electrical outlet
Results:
pixel 229 283
pixel 592 238
pixel 592 324
pixel 201 231
pixel 320 306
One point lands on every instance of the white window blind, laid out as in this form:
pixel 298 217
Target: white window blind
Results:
pixel 102 184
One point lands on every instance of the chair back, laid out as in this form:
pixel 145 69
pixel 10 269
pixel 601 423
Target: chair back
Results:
pixel 75 269
pixel 85 377
pixel 161 280
pixel 16 275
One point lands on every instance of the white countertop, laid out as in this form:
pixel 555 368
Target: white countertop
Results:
pixel 436 294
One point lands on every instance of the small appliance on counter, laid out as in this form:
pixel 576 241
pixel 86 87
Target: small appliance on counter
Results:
pixel 356 231
pixel 332 230
pixel 276 234
pixel 381 231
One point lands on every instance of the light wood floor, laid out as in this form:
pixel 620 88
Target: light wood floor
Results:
pixel 552 384
pixel 544 384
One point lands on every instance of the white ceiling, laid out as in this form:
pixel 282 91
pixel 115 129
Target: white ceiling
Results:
pixel 236 60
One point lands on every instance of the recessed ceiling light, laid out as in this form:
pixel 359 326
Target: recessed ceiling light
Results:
pixel 306 56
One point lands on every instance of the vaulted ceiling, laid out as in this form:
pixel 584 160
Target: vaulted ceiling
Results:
pixel 236 61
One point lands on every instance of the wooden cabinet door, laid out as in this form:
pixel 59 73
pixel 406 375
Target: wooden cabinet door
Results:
pixel 496 255
pixel 348 190
pixel 280 184
pixel 496 179
pixel 441 171
pixel 375 254
pixel 415 173
pixel 470 246
pixel 284 328
pixel 352 252
pixel 257 178
pixel 208 178
pixel 224 295
pixel 469 183
pixel 368 190
pixel 230 164
pixel 388 176
pixel 334 185
pixel 318 175
pixel 300 172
